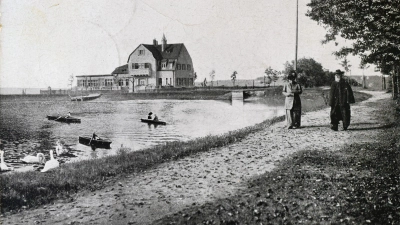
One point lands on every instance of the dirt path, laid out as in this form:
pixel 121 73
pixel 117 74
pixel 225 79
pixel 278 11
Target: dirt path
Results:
pixel 204 177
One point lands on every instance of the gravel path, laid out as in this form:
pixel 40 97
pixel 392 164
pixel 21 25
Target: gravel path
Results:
pixel 172 186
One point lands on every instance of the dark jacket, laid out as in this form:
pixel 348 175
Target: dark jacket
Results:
pixel 341 93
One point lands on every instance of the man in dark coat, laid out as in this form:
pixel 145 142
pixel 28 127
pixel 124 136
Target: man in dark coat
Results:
pixel 340 98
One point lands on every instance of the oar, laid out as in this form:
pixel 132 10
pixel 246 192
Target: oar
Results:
pixel 58 118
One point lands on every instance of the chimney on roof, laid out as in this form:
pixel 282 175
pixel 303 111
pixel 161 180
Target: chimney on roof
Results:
pixel 164 43
pixel 155 42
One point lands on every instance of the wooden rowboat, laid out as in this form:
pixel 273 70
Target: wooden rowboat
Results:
pixel 153 121
pixel 98 143
pixel 86 97
pixel 64 119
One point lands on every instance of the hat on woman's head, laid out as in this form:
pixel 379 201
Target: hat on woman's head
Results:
pixel 292 75
pixel 339 72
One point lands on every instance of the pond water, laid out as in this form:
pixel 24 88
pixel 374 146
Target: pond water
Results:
pixel 24 128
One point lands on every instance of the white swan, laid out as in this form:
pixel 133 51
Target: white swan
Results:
pixel 39 158
pixel 3 166
pixel 59 148
pixel 51 164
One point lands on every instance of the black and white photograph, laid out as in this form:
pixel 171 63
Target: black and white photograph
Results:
pixel 199 112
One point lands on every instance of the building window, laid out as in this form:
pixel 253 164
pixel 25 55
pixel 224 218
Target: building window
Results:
pixel 164 65
pixel 183 66
pixel 178 66
pixel 141 52
pixel 142 82
pixel 120 83
pixel 171 64
pixel 189 67
pixel 170 81
pixel 147 65
pixel 108 82
pixel 166 81
pixel 127 82
pixel 135 66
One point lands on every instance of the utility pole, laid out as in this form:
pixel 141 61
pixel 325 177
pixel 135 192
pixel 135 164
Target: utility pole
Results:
pixel 297 34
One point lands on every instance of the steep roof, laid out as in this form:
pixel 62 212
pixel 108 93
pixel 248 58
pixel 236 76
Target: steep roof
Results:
pixel 121 70
pixel 171 51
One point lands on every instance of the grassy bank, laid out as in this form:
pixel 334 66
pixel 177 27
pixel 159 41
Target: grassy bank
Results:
pixel 32 189
pixel 360 184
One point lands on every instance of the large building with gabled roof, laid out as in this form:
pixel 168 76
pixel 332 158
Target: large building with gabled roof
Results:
pixel 158 66
pixel 149 67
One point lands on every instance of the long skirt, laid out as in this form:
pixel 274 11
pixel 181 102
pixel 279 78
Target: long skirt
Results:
pixel 293 117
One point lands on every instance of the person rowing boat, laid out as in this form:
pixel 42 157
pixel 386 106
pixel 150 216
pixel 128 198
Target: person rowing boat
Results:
pixel 67 116
pixel 94 137
pixel 150 116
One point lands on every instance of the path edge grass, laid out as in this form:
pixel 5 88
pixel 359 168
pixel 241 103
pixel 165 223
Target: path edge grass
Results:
pixel 31 189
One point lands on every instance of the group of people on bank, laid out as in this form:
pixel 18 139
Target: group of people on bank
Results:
pixel 340 98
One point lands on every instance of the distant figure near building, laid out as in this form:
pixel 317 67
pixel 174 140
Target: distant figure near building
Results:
pixel 292 91
pixel 340 98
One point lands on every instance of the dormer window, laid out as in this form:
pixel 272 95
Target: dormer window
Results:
pixel 141 52
pixel 164 65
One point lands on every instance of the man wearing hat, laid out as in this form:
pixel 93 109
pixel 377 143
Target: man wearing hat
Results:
pixel 340 98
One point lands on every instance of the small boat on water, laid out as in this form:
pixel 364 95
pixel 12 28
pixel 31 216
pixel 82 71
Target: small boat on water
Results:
pixel 85 97
pixel 64 119
pixel 153 121
pixel 98 143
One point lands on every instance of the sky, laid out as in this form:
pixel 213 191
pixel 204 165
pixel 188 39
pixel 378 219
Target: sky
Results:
pixel 44 42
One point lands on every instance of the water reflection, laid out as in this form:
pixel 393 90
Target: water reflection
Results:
pixel 24 125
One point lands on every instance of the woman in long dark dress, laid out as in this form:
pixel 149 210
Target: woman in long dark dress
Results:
pixel 292 91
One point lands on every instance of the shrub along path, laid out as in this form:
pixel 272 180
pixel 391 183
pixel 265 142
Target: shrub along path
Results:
pixel 206 177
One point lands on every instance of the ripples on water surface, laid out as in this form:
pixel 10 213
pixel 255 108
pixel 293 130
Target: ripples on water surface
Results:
pixel 24 126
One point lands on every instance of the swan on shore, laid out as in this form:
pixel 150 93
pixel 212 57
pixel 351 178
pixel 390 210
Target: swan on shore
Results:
pixel 39 158
pixel 51 164
pixel 60 149
pixel 3 166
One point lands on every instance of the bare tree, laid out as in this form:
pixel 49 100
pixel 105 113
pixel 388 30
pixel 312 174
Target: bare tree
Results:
pixel 212 76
